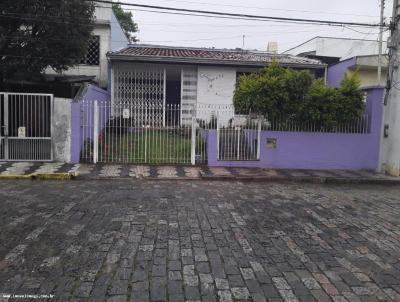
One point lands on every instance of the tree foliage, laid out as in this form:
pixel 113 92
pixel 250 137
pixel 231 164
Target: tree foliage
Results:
pixel 35 34
pixel 126 21
pixel 278 92
pixel 274 91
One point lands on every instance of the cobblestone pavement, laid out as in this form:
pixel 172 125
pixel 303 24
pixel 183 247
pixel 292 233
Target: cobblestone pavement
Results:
pixel 124 240
pixel 101 171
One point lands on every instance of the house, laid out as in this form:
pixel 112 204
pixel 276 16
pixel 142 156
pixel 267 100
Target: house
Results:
pixel 331 50
pixel 366 66
pixel 163 75
pixel 107 36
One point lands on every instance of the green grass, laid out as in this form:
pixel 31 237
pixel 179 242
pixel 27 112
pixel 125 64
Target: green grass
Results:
pixel 148 146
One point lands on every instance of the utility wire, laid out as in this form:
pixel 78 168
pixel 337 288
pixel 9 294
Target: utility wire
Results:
pixel 206 13
pixel 232 18
pixel 273 9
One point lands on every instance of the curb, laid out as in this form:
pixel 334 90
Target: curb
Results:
pixel 39 176
pixel 316 180
pixel 254 178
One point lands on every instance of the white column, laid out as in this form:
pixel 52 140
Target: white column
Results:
pixel 193 149
pixel 95 132
pixel 259 139
pixel 6 155
pixel 392 119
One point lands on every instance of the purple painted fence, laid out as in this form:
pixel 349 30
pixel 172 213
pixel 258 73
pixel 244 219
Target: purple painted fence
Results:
pixel 302 150
pixel 81 111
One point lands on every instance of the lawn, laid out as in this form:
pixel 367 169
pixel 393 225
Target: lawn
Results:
pixel 147 146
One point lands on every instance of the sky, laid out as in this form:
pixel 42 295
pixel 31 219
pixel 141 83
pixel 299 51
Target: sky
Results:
pixel 175 30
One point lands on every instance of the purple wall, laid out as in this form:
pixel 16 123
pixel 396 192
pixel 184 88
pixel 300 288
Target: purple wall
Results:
pixel 304 150
pixel 78 115
pixel 337 71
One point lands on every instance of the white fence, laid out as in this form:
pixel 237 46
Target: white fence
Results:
pixel 157 134
pixel 148 134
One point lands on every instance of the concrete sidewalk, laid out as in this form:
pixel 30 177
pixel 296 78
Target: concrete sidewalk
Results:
pixel 127 171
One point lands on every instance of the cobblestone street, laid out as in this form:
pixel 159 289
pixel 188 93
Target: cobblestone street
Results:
pixel 125 240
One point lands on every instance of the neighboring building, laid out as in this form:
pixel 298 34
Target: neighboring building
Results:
pixel 332 50
pixel 107 36
pixel 366 66
pixel 188 76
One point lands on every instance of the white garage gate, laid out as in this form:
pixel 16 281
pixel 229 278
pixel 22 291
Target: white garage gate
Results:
pixel 26 127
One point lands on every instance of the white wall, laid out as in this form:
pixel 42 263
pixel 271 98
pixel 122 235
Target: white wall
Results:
pixel 347 48
pixel 102 12
pixel 340 48
pixel 215 85
pixel 102 28
pixel 100 71
pixel 62 130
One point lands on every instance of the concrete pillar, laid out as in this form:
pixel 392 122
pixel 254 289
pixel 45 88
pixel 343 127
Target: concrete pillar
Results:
pixel 391 156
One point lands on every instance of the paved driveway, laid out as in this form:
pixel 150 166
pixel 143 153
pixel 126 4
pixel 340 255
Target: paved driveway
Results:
pixel 209 241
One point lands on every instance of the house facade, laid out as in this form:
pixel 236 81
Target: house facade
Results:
pixel 332 49
pixel 366 67
pixel 187 77
pixel 107 36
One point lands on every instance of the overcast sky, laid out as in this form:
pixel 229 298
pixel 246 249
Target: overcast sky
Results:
pixel 175 30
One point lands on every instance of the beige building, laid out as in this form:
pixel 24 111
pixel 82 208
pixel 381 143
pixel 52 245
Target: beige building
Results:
pixel 366 66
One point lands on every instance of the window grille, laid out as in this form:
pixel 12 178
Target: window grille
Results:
pixel 93 52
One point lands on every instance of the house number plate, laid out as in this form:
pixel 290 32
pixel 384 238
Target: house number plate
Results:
pixel 126 113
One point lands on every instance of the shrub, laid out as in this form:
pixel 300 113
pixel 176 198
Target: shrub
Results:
pixel 320 104
pixel 278 92
pixel 273 92
pixel 331 106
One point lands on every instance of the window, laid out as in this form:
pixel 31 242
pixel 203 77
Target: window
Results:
pixel 93 52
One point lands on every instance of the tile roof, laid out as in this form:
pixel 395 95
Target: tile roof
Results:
pixel 206 55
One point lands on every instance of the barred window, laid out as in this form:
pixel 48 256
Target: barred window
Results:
pixel 93 52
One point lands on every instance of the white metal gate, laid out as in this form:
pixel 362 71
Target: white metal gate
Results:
pixel 26 127
pixel 139 134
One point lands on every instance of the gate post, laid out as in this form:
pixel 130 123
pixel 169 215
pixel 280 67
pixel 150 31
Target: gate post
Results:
pixel 259 139
pixel 193 154
pixel 6 153
pixel 217 121
pixel 95 132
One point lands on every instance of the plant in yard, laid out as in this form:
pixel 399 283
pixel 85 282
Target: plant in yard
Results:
pixel 351 98
pixel 208 124
pixel 284 95
pixel 320 105
pixel 330 106
pixel 37 34
pixel 275 91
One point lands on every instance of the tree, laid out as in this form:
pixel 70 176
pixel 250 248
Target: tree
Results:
pixel 273 92
pixel 330 106
pixel 36 34
pixel 286 94
pixel 126 21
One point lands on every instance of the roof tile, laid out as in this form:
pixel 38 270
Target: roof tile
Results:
pixel 240 56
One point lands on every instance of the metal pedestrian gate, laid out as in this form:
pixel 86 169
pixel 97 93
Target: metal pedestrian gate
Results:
pixel 26 127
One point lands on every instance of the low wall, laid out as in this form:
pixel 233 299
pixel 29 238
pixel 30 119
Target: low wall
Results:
pixel 305 150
